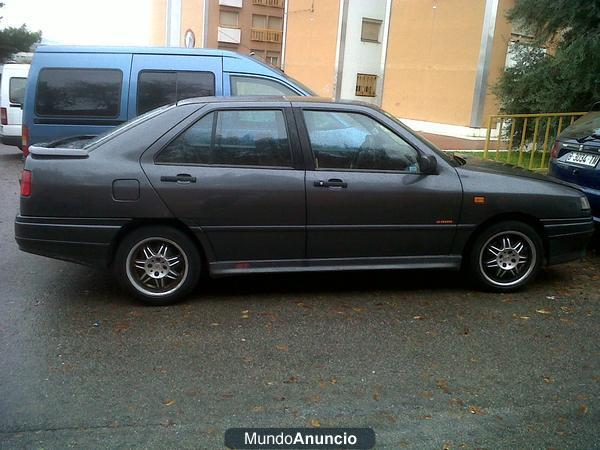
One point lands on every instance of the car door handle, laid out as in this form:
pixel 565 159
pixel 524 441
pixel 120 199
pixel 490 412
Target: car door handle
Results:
pixel 332 182
pixel 182 178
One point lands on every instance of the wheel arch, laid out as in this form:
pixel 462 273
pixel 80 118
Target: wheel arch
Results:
pixel 530 220
pixel 203 247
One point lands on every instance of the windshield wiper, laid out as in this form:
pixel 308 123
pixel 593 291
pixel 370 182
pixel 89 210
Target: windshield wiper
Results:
pixel 459 159
pixel 588 138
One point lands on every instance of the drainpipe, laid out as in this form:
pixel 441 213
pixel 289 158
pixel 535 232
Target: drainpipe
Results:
pixel 340 48
pixel 483 65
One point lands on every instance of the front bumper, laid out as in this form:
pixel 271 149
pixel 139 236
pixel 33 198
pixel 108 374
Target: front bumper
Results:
pixel 83 241
pixel 567 239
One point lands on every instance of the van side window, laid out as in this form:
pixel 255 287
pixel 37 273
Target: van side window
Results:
pixel 16 90
pixel 242 138
pixel 158 88
pixel 258 86
pixel 79 92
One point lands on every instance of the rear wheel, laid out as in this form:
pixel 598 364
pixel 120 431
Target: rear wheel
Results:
pixel 506 256
pixel 158 264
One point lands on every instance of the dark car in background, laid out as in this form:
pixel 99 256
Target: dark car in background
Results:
pixel 278 184
pixel 575 158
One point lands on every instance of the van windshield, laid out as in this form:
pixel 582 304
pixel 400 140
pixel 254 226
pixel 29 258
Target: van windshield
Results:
pixel 100 139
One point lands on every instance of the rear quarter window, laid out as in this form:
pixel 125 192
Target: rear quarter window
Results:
pixel 79 92
pixel 16 90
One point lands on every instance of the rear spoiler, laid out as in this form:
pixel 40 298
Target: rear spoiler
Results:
pixel 57 152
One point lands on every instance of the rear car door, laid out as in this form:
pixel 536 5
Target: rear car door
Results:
pixel 234 174
pixel 158 80
pixel 366 195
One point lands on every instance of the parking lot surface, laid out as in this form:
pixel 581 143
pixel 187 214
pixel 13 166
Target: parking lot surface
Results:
pixel 420 357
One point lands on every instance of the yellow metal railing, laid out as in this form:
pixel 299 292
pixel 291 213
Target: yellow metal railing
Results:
pixel 266 35
pixel 531 135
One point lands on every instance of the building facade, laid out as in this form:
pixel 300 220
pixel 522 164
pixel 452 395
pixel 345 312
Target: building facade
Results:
pixel 245 26
pixel 432 62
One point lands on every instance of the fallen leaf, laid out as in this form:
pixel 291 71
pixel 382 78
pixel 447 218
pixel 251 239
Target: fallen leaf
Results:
pixel 376 396
pixel 419 317
pixel 121 327
pixel 258 408
pixel 476 410
pixel 443 385
pixel 282 347
pixel 427 417
pixel 292 379
pixel 548 380
pixel 583 409
pixel 516 316
pixel 333 380
pixel 245 316
pixel 543 311
pixel 168 402
pixel 358 309
pixel 315 398
pixel 315 423
pixel 215 324
pixel 566 309
pixel 446 446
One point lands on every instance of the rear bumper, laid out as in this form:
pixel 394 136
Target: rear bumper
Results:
pixel 11 140
pixel 567 239
pixel 83 241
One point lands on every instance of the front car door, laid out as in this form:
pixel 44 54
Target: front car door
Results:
pixel 233 173
pixel 366 195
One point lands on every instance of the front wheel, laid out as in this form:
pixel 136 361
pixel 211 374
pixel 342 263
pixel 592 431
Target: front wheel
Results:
pixel 158 264
pixel 506 256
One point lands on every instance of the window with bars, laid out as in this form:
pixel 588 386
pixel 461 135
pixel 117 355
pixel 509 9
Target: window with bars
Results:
pixel 366 85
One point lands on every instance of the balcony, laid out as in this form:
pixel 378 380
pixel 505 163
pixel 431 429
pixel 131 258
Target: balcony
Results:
pixel 234 3
pixel 273 3
pixel 266 35
pixel 229 35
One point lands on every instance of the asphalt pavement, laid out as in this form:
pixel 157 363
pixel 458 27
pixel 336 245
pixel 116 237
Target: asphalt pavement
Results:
pixel 420 357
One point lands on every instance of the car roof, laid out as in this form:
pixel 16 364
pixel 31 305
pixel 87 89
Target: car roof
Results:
pixel 272 99
pixel 137 50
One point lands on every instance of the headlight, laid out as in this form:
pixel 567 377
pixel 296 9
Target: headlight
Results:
pixel 585 203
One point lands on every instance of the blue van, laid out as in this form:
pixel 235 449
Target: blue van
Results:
pixel 75 91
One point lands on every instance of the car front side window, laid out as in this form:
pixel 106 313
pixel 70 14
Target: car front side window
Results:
pixel 241 138
pixel 354 141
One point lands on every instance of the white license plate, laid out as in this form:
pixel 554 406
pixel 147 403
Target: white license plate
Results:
pixel 585 159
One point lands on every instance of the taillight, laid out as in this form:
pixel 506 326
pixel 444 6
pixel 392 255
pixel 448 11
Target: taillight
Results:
pixel 554 151
pixel 26 183
pixel 25 140
pixel 3 116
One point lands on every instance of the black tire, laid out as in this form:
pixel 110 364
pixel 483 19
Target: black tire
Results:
pixel 158 264
pixel 496 263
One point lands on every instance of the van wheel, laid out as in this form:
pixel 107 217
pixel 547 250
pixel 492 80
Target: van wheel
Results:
pixel 160 265
pixel 506 256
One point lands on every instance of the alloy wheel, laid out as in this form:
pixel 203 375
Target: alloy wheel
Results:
pixel 507 258
pixel 157 266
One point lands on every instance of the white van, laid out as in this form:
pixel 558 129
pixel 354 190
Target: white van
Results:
pixel 12 93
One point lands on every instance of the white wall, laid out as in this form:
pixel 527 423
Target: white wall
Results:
pixel 362 57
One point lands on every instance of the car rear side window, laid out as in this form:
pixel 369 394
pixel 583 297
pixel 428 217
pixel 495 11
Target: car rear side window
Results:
pixel 354 141
pixel 16 90
pixel 79 92
pixel 241 138
pixel 258 86
pixel 158 88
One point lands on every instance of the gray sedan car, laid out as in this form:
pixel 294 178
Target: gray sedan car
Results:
pixel 249 185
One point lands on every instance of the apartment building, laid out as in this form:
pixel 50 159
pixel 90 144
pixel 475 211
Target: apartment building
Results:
pixel 430 62
pixel 244 26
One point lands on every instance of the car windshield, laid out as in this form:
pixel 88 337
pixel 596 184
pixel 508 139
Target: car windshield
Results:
pixel 100 139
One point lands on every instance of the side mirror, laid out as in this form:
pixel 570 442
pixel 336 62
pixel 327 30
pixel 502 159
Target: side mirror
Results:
pixel 428 164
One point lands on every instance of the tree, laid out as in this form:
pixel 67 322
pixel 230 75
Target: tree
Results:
pixel 567 76
pixel 14 40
